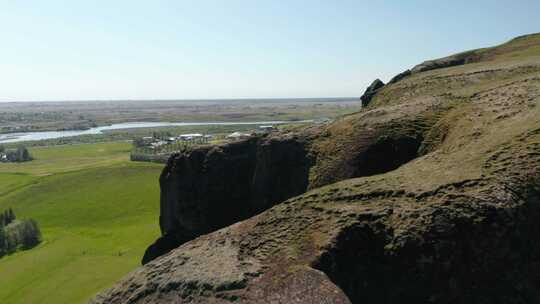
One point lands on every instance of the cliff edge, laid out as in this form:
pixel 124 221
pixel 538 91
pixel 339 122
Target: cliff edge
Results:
pixel 429 194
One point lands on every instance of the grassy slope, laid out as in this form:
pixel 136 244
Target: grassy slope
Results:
pixel 90 203
pixel 55 159
pixel 455 104
pixel 519 52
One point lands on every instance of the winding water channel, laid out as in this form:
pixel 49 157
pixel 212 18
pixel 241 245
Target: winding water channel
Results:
pixel 29 136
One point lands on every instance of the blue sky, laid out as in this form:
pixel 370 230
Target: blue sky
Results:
pixel 82 50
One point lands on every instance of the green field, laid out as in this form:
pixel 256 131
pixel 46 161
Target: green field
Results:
pixel 97 211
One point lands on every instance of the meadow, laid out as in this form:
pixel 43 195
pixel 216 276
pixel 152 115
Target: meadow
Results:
pixel 97 212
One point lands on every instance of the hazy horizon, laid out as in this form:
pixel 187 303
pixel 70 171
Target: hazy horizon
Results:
pixel 323 98
pixel 177 50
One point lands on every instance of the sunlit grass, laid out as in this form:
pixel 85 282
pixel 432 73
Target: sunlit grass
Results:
pixel 97 211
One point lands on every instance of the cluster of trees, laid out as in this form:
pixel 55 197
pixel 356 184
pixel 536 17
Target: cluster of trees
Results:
pixel 139 142
pixel 7 217
pixel 21 154
pixel 17 234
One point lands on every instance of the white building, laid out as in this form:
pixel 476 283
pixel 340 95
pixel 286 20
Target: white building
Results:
pixel 158 144
pixel 190 137
pixel 238 135
pixel 267 128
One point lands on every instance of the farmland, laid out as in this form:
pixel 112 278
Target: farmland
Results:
pixel 97 212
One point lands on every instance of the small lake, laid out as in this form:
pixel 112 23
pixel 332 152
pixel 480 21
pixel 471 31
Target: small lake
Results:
pixel 28 136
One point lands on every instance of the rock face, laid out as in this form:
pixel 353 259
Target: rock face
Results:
pixel 212 187
pixel 209 188
pixel 371 91
pixel 431 195
pixel 445 62
pixel 400 76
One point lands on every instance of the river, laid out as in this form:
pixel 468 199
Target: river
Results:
pixel 28 136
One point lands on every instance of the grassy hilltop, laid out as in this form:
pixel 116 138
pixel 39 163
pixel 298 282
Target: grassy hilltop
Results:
pixel 90 202
pixel 429 194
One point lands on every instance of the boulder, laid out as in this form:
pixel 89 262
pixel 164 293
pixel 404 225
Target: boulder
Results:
pixel 370 92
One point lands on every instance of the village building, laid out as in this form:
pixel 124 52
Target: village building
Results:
pixel 195 137
pixel 267 128
pixel 190 137
pixel 158 144
pixel 238 136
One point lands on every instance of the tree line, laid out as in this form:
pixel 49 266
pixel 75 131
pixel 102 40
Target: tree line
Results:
pixel 17 234
pixel 21 154
pixel 7 217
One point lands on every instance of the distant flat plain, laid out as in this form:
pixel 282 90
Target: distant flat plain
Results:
pixel 70 115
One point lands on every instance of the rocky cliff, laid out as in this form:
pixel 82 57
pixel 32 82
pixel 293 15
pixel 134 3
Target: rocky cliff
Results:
pixel 208 188
pixel 430 194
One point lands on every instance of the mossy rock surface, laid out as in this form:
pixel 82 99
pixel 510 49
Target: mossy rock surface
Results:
pixel 431 194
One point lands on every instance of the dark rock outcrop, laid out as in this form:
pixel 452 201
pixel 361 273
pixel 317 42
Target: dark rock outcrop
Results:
pixel 450 61
pixel 167 242
pixel 208 188
pixel 400 76
pixel 453 217
pixel 371 91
